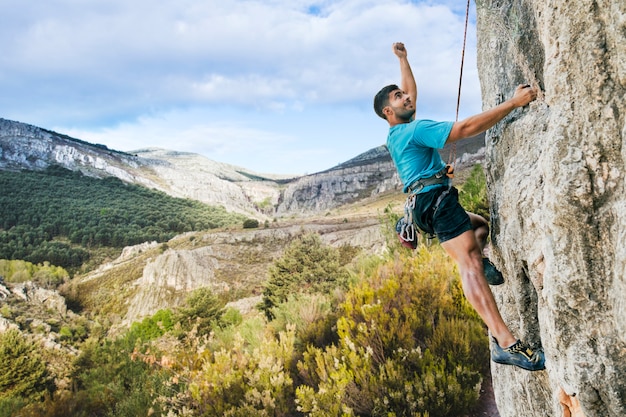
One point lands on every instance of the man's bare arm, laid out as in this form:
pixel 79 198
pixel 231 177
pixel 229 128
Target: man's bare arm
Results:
pixel 479 123
pixel 408 84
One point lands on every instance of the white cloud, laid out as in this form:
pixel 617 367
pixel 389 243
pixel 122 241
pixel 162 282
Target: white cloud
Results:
pixel 126 72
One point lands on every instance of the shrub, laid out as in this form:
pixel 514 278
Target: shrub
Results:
pixel 23 373
pixel 250 224
pixel 202 310
pixel 115 378
pixel 312 315
pixel 307 266
pixel 239 381
pixel 409 344
pixel 152 327
pixel 44 274
pixel 473 193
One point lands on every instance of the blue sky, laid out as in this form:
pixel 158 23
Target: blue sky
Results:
pixel 274 86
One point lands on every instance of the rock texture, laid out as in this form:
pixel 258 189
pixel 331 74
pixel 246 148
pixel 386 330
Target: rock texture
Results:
pixel 366 175
pixel 556 182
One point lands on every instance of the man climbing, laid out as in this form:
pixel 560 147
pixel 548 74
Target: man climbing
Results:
pixel 413 145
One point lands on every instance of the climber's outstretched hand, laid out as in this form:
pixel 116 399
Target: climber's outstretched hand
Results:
pixel 524 94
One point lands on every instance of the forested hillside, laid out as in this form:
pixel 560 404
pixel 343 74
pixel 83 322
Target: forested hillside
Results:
pixel 62 217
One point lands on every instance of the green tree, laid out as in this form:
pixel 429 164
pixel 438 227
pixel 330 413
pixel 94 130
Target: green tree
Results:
pixel 23 373
pixel 154 326
pixel 92 213
pixel 202 309
pixel 250 224
pixel 307 266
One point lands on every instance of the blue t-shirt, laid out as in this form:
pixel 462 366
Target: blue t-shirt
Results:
pixel 413 147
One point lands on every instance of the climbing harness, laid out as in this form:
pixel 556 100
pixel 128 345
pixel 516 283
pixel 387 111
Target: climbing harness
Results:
pixel 440 177
pixel 407 230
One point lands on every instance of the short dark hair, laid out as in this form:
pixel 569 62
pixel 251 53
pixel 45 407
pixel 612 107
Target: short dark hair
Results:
pixel 381 99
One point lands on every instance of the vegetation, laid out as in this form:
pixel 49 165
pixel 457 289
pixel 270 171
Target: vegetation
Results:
pixel 307 266
pixel 44 275
pixel 473 193
pixel 201 312
pixel 60 216
pixel 250 224
pixel 23 375
pixel 409 345
pixel 335 335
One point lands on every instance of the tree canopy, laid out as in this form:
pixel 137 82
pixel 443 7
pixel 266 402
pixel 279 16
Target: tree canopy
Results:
pixel 58 215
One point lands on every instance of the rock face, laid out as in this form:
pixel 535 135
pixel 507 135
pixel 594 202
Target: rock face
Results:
pixel 555 172
pixel 366 175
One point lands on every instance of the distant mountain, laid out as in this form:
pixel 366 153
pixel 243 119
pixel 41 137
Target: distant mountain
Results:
pixel 193 176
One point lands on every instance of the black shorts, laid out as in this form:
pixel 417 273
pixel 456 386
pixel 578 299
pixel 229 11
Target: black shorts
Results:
pixel 448 221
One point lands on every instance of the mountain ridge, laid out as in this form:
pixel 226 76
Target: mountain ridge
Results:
pixel 190 175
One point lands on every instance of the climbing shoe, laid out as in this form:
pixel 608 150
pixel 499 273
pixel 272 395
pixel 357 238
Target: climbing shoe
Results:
pixel 519 354
pixel 494 277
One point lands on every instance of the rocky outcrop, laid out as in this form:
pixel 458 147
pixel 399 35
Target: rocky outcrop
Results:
pixel 365 176
pixel 48 299
pixel 224 261
pixel 188 175
pixel 556 182
pixel 178 174
pixel 23 146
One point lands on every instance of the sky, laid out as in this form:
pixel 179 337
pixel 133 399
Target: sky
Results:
pixel 273 86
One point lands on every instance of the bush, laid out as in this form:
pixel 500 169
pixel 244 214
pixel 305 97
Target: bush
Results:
pixel 473 193
pixel 23 373
pixel 153 327
pixel 409 344
pixel 202 310
pixel 239 381
pixel 312 315
pixel 44 274
pixel 250 224
pixel 307 266
pixel 115 378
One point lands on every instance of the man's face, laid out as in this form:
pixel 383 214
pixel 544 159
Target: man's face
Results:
pixel 401 105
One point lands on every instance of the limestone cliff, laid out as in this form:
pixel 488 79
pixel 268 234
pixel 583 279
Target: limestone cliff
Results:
pixel 556 183
pixel 368 174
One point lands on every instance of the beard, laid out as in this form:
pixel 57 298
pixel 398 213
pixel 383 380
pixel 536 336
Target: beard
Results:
pixel 404 114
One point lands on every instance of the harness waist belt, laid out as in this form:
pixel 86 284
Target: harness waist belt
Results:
pixel 439 178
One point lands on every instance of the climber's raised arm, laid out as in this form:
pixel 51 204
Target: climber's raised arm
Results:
pixel 407 80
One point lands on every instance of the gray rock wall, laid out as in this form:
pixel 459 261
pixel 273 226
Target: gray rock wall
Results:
pixel 333 188
pixel 555 173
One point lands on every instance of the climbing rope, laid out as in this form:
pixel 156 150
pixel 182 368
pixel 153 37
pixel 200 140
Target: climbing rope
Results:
pixel 452 154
